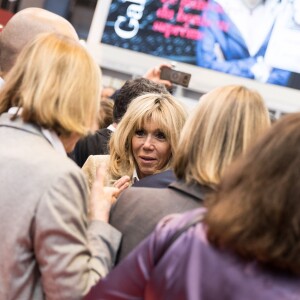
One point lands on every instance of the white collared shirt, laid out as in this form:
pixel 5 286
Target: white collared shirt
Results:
pixel 254 25
pixel 1 82
pixel 111 127
pixel 135 176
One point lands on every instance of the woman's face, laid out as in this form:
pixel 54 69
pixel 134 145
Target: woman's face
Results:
pixel 150 148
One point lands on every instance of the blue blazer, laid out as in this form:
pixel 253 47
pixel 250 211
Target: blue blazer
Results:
pixel 237 61
pixel 159 180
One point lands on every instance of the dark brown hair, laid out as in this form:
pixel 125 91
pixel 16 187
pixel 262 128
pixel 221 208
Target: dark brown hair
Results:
pixel 105 117
pixel 256 209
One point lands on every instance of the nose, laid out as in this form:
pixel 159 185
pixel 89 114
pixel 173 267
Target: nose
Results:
pixel 148 142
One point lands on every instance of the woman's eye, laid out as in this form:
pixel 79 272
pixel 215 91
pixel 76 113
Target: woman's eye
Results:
pixel 160 135
pixel 140 132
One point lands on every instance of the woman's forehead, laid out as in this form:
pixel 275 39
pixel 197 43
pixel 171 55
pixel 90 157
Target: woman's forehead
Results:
pixel 153 124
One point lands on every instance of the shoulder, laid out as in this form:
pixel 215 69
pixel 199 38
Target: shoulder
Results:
pixel 153 202
pixel 63 186
pixel 64 169
pixel 139 206
pixel 159 180
pixel 58 181
pixel 97 139
pixel 104 132
pixel 141 196
pixel 94 161
pixel 140 209
pixel 92 144
pixel 92 164
pixel 171 223
pixel 48 163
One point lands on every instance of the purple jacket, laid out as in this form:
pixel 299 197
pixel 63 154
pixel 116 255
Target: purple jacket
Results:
pixel 191 269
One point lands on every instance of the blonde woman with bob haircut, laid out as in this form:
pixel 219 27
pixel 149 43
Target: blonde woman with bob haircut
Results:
pixel 45 98
pixel 50 247
pixel 145 140
pixel 224 124
pixel 227 121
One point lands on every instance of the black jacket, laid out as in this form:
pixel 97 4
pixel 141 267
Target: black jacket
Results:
pixel 93 144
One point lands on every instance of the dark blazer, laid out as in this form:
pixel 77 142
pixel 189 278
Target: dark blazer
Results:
pixel 93 144
pixel 159 180
pixel 138 210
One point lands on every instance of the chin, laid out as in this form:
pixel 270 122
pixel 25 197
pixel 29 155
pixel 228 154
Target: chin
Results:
pixel 146 173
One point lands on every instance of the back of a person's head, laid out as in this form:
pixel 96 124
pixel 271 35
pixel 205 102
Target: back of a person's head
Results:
pixel 23 27
pixel 132 89
pixel 106 112
pixel 56 83
pixel 225 123
pixel 163 110
pixel 256 209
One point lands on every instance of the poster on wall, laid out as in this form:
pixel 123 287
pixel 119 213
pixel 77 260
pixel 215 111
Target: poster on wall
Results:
pixel 229 36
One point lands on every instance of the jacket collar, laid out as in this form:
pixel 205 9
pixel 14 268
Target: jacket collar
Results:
pixel 18 123
pixel 5 120
pixel 195 190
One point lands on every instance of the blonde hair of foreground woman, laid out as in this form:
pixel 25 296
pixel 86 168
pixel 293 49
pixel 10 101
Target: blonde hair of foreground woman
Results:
pixel 226 122
pixel 52 91
pixel 163 110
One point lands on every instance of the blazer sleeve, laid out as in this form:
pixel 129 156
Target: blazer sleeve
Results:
pixel 90 168
pixel 128 280
pixel 72 254
pixel 138 267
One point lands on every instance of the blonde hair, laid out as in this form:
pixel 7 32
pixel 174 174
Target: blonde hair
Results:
pixel 56 83
pixel 226 122
pixel 163 110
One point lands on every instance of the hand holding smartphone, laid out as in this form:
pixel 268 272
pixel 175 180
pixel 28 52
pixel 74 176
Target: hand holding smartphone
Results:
pixel 177 77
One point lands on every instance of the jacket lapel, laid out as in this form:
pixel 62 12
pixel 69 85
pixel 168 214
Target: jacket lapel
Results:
pixel 194 190
pixel 5 121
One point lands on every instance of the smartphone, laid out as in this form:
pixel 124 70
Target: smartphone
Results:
pixel 177 77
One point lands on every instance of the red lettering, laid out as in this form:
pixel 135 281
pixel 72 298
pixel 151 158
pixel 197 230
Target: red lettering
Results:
pixel 171 2
pixel 191 19
pixel 174 30
pixel 165 13
pixel 194 4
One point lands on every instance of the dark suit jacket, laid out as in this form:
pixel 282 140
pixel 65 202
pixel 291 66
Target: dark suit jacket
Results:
pixel 159 180
pixel 93 144
pixel 138 210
